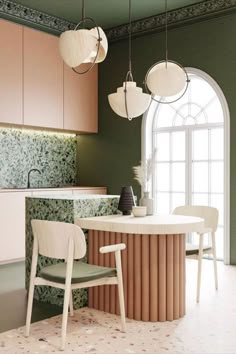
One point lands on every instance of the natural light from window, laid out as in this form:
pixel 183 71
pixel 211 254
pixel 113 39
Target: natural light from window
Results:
pixel 189 137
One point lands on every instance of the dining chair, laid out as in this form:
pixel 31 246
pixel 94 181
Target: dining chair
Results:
pixel 210 216
pixel 66 241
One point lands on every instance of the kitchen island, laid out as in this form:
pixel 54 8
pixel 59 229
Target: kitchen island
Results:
pixel 153 264
pixel 62 208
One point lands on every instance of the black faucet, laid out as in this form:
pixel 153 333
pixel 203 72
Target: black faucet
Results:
pixel 28 177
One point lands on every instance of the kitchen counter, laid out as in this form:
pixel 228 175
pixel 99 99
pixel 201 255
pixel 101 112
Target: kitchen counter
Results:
pixel 62 208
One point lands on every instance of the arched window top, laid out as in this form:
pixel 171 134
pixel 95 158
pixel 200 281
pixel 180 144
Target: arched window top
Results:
pixel 199 105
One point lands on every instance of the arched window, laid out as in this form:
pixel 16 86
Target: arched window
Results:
pixel 192 141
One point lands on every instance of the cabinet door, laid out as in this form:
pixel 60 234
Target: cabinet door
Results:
pixel 81 100
pixel 12 221
pixel 43 80
pixel 11 71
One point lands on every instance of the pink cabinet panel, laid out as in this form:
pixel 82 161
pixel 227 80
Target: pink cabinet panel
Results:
pixel 11 60
pixel 81 100
pixel 43 80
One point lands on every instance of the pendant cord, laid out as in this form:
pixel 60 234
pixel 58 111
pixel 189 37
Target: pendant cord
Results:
pixel 129 30
pixel 83 10
pixel 166 35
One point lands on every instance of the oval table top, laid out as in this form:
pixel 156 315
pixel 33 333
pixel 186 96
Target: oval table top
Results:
pixel 153 225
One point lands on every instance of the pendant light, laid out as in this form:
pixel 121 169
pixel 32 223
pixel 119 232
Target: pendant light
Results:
pixel 129 101
pixel 83 45
pixel 166 79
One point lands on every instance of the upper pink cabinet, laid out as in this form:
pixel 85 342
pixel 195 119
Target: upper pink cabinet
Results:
pixel 11 59
pixel 37 90
pixel 81 100
pixel 43 80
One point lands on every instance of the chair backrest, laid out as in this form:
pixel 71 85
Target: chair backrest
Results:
pixel 209 214
pixel 53 239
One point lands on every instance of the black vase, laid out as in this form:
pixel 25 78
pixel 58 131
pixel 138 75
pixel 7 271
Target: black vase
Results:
pixel 126 200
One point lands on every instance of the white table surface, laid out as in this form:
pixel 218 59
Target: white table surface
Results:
pixel 156 224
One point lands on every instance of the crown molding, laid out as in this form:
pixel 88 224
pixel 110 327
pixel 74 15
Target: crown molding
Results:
pixel 185 15
pixel 9 10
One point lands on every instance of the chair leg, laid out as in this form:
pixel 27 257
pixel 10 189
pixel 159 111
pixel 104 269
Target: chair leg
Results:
pixel 199 266
pixel 71 304
pixel 120 290
pixel 65 316
pixel 214 258
pixel 29 308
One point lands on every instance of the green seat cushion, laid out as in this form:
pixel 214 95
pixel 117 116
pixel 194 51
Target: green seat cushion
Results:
pixel 82 272
pixel 194 249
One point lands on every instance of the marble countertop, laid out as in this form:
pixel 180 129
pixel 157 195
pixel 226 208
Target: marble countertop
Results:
pixel 157 224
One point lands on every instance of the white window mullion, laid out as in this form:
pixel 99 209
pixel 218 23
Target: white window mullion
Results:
pixel 171 173
pixel 209 166
pixel 189 158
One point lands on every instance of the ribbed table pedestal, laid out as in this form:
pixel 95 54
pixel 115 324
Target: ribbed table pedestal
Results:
pixel 153 269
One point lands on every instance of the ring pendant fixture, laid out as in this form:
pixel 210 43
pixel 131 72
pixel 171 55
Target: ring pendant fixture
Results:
pixel 83 45
pixel 166 79
pixel 129 101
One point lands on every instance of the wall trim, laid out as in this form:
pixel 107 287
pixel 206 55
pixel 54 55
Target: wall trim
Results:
pixel 176 18
pixel 185 15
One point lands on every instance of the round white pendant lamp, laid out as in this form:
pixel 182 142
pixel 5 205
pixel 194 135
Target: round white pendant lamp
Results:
pixel 82 45
pixel 166 80
pixel 103 48
pixel 75 46
pixel 129 101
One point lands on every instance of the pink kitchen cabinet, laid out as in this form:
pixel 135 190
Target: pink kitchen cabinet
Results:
pixel 11 61
pixel 43 80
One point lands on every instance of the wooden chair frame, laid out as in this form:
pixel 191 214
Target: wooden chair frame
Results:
pixel 72 237
pixel 210 216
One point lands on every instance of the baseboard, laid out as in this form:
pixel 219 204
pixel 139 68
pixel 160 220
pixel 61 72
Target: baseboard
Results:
pixel 15 260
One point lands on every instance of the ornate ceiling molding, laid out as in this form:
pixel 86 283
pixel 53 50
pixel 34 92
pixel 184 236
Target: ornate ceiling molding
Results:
pixel 189 14
pixel 25 15
pixel 185 15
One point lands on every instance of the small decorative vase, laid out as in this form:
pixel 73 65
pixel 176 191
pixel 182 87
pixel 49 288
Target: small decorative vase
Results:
pixel 126 200
pixel 147 201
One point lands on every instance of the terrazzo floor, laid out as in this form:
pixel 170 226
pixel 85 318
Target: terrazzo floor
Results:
pixel 208 327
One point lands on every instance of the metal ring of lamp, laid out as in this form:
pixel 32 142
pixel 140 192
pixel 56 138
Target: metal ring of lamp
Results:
pixel 86 19
pixel 152 95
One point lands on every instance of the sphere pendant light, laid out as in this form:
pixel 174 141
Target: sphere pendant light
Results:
pixel 129 101
pixel 166 79
pixel 83 45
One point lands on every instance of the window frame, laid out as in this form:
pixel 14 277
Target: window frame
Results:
pixel 147 146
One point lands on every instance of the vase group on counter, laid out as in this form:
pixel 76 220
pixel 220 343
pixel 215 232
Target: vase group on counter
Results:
pixel 147 201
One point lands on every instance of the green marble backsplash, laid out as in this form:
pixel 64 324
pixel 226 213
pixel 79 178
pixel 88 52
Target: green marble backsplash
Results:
pixel 54 154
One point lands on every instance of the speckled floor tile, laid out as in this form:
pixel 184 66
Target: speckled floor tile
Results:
pixel 208 327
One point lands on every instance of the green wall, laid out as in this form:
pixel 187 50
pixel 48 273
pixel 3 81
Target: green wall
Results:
pixel 107 158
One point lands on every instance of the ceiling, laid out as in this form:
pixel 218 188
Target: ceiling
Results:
pixel 107 13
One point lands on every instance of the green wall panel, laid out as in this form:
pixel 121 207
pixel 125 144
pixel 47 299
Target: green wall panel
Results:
pixel 107 158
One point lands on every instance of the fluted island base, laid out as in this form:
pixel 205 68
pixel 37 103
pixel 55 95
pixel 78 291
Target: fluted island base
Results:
pixel 153 274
